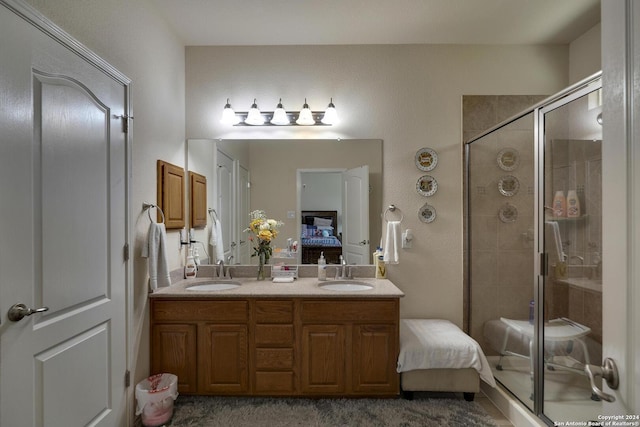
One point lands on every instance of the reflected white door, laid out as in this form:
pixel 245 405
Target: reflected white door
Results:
pixel 242 217
pixel 355 227
pixel 63 184
pixel 226 203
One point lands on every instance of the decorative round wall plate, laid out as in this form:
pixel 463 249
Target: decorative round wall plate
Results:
pixel 426 159
pixel 508 213
pixel 508 185
pixel 427 213
pixel 508 159
pixel 427 185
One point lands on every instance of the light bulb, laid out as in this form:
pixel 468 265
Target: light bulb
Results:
pixel 330 115
pixel 254 117
pixel 280 117
pixel 306 117
pixel 229 116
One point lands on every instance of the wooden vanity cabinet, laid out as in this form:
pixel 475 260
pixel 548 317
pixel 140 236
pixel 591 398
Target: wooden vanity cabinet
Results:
pixel 274 348
pixel 173 350
pixel 204 342
pixel 278 347
pixel 350 347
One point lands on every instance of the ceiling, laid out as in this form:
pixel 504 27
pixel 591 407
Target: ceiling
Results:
pixel 330 22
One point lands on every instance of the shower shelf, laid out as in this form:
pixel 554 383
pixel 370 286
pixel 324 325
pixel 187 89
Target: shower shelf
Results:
pixel 565 219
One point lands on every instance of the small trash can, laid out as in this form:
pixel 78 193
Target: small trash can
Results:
pixel 155 396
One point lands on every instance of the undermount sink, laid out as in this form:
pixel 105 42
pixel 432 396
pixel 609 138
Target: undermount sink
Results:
pixel 346 286
pixel 216 285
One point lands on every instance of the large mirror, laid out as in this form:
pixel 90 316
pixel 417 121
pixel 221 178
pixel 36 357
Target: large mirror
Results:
pixel 287 179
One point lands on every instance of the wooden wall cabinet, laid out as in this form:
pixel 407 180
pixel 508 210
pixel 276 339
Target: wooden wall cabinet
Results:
pixel 278 347
pixel 170 194
pixel 198 199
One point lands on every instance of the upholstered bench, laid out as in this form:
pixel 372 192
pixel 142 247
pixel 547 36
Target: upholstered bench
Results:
pixel 437 356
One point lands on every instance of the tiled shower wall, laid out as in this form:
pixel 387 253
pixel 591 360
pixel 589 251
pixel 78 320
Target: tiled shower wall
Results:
pixel 501 253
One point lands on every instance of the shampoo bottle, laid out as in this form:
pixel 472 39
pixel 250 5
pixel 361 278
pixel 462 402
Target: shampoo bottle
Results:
pixel 322 267
pixel 381 267
pixel 190 269
pixel 573 204
pixel 559 205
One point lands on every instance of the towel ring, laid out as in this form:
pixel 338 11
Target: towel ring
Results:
pixel 146 206
pixel 392 208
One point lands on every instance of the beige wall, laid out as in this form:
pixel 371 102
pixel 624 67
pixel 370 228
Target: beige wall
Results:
pixel 409 96
pixel 140 45
pixel 584 55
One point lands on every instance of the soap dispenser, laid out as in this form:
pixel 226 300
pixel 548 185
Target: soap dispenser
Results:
pixel 190 269
pixel 322 267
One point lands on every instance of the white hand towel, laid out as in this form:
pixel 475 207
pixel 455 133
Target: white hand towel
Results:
pixel 392 243
pixel 215 240
pixel 156 251
pixel 553 240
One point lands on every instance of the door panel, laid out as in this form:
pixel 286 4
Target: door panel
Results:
pixel 63 182
pixel 65 157
pixel 226 204
pixel 356 215
pixel 244 208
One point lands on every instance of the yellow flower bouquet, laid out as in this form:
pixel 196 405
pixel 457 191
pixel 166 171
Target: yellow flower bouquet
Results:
pixel 263 230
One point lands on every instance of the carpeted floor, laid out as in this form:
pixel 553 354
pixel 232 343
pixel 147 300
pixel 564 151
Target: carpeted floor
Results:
pixel 424 410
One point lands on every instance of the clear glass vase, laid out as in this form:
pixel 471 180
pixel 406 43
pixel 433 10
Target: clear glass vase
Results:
pixel 262 261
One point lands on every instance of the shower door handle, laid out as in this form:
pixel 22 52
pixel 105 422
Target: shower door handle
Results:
pixel 609 372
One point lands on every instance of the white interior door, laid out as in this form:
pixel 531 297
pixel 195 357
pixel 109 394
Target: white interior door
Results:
pixel 355 227
pixel 63 183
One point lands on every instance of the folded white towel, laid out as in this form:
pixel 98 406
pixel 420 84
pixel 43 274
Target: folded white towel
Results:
pixel 392 243
pixel 215 240
pixel 156 251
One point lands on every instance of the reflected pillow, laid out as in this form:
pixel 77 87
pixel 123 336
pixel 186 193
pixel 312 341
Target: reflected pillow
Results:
pixel 321 221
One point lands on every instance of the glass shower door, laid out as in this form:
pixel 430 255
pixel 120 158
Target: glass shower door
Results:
pixel 570 224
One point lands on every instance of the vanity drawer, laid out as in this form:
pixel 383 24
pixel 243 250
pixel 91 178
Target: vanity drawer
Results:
pixel 274 311
pixel 314 311
pixel 274 335
pixel 220 311
pixel 275 382
pixel 274 358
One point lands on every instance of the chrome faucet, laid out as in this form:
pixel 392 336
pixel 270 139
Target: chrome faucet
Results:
pixel 221 269
pixel 345 274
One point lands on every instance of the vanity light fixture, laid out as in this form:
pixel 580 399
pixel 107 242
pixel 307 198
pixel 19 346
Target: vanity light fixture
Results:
pixel 306 117
pixel 229 116
pixel 254 117
pixel 330 114
pixel 279 117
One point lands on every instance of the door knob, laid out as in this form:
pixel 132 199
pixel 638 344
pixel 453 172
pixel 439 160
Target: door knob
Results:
pixel 18 311
pixel 609 372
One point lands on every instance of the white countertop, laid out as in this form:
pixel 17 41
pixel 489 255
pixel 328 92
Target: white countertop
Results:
pixel 307 287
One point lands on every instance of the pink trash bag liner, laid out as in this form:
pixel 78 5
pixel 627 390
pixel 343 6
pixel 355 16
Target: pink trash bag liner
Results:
pixel 155 396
